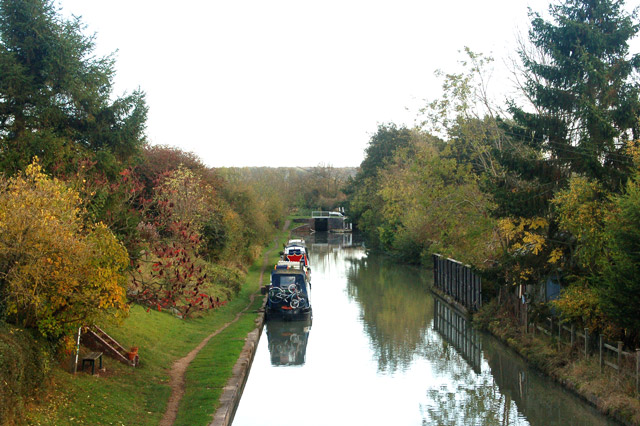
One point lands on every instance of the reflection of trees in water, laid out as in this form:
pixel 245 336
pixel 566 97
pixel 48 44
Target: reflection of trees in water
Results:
pixel 504 391
pixel 541 401
pixel 462 404
pixel 395 307
pixel 455 329
pixel 470 395
pixel 464 387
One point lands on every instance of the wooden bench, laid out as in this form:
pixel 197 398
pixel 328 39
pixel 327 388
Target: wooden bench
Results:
pixel 91 359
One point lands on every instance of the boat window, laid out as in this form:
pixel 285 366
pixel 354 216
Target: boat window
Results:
pixel 284 280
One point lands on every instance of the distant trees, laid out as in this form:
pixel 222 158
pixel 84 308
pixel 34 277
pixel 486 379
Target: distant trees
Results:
pixel 320 187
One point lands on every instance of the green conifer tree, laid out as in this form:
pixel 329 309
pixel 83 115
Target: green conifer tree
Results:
pixel 55 94
pixel 584 104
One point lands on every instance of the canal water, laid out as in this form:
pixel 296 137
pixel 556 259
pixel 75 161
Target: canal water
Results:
pixel 382 350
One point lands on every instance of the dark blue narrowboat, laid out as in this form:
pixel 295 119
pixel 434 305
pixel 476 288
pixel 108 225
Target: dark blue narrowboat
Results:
pixel 289 291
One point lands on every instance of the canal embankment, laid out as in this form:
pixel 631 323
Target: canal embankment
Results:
pixel 230 398
pixel 118 394
pixel 612 393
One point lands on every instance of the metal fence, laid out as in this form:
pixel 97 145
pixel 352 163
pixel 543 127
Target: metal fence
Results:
pixel 458 281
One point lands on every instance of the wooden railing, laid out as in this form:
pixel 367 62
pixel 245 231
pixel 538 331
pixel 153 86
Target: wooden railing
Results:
pixel 609 354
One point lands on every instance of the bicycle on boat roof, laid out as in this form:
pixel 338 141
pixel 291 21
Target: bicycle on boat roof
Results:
pixel 290 295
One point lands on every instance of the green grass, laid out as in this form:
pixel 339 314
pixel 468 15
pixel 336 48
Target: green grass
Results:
pixel 124 395
pixel 209 372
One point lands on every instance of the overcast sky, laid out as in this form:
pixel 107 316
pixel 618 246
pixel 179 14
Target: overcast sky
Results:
pixel 291 83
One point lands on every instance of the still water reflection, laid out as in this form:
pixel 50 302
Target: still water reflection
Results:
pixel 381 350
pixel 287 341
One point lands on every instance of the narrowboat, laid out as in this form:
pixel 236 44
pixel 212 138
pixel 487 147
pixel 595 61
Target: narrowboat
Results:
pixel 296 251
pixel 288 294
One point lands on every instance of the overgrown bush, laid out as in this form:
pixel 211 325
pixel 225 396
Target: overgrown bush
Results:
pixel 228 279
pixel 25 362
pixel 56 272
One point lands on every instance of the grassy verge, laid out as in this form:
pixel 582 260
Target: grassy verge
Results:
pixel 123 395
pixel 612 393
pixel 209 372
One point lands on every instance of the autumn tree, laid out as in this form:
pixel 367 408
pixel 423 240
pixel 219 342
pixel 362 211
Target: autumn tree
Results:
pixel 619 289
pixel 365 204
pixel 433 203
pixel 583 105
pixel 171 268
pixel 467 115
pixel 56 272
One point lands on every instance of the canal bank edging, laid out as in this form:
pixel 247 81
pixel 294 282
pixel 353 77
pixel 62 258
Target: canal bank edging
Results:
pixel 451 302
pixel 568 384
pixel 230 398
pixel 232 392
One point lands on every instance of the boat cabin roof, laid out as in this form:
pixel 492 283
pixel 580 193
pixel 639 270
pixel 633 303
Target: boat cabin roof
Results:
pixel 284 265
pixel 300 249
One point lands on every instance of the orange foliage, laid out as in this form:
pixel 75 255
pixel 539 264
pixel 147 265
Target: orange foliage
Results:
pixel 57 273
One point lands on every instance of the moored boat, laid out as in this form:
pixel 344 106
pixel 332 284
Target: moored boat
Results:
pixel 289 291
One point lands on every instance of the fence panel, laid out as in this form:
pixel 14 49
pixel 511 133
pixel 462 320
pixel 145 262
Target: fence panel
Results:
pixel 458 281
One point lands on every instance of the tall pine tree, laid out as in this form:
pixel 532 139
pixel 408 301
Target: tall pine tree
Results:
pixel 55 95
pixel 586 102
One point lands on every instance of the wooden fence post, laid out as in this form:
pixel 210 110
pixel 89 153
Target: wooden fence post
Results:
pixel 559 334
pixel 619 355
pixel 637 370
pixel 586 341
pixel 573 334
pixel 434 258
pixel 448 267
pixel 467 278
pixel 600 350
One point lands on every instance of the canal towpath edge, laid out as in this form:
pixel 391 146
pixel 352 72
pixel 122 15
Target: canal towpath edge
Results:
pixel 232 391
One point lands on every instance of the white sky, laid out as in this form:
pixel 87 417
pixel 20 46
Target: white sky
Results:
pixel 291 83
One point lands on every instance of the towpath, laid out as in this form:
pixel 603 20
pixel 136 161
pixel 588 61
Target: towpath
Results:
pixel 179 368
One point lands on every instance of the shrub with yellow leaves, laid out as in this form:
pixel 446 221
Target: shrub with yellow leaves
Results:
pixel 56 272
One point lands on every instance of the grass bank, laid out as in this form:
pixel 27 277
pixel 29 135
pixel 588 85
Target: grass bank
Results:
pixel 125 396
pixel 612 393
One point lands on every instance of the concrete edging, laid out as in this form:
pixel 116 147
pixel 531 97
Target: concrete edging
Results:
pixel 230 398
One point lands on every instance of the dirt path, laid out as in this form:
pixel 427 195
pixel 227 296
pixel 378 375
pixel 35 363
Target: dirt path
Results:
pixel 176 375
